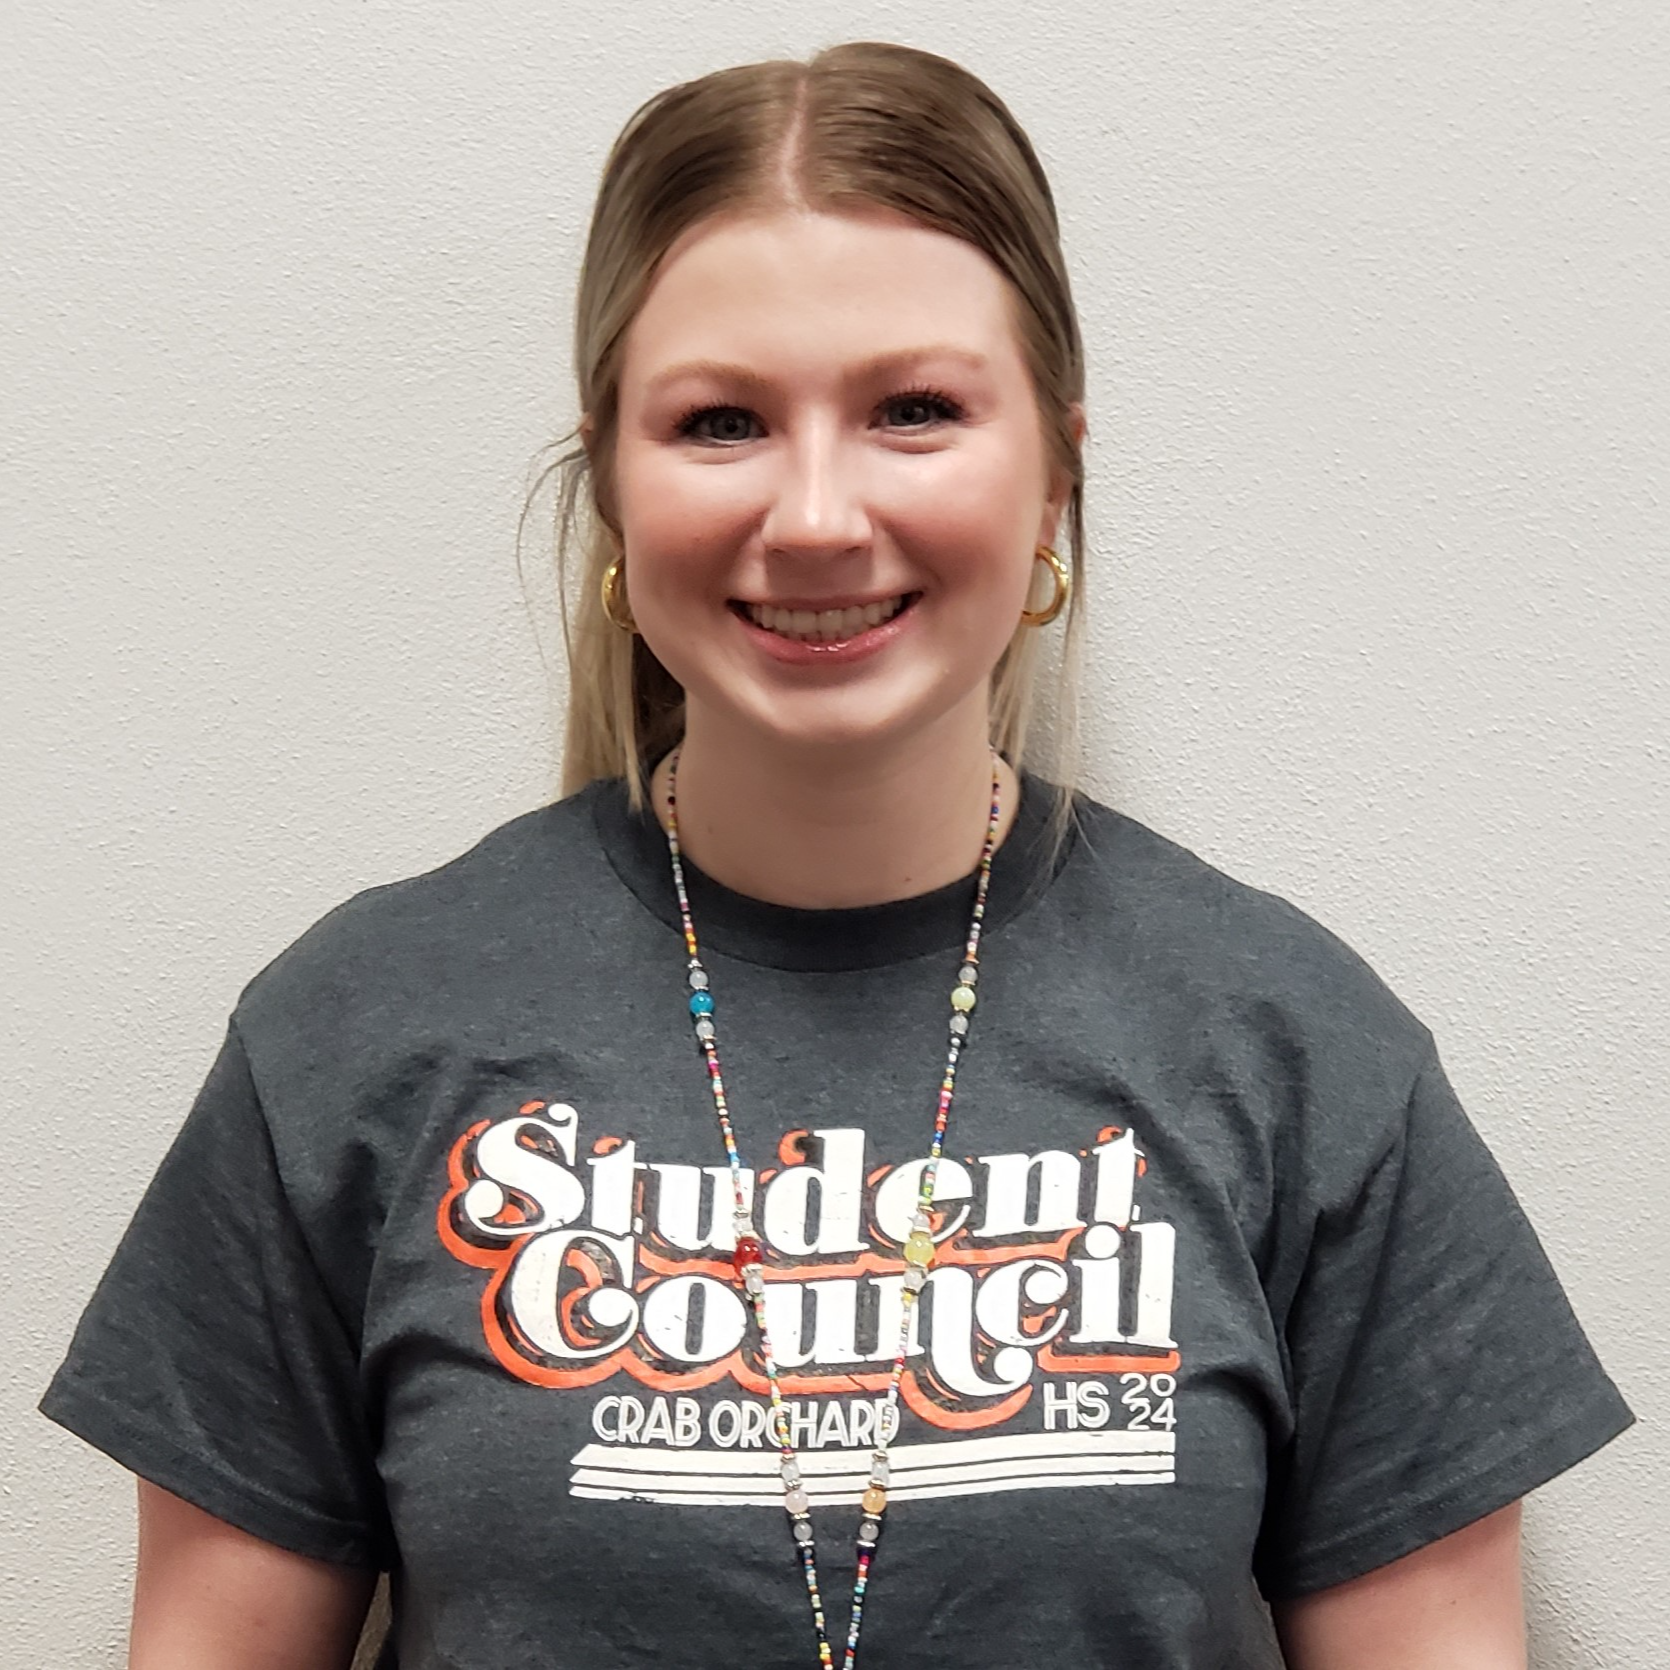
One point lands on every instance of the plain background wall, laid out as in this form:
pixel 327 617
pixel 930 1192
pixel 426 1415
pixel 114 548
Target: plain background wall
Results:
pixel 1375 299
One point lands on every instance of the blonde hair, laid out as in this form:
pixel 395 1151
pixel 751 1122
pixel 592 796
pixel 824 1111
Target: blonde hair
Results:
pixel 861 125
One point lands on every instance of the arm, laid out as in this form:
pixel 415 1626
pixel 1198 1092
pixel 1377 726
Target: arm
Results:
pixel 208 1596
pixel 1455 1602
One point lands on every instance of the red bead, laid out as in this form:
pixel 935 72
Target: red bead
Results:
pixel 748 1251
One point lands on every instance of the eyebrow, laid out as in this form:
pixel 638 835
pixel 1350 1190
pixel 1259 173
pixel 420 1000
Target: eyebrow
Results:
pixel 877 365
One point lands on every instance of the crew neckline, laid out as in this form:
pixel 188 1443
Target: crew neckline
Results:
pixel 829 941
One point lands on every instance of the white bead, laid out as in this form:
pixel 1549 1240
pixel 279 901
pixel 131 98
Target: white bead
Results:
pixel 921 1220
pixel 916 1277
pixel 791 1472
pixel 753 1278
pixel 797 1501
pixel 880 1470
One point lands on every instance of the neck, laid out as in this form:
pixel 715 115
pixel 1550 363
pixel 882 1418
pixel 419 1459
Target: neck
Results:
pixel 830 828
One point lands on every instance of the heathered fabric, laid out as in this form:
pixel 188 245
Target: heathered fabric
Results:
pixel 1231 1301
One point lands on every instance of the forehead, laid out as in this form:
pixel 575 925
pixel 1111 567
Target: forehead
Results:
pixel 796 290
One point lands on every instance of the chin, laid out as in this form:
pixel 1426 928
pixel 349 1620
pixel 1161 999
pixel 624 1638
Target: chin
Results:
pixel 820 726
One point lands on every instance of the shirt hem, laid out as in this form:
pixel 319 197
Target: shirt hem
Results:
pixel 160 1461
pixel 1414 1525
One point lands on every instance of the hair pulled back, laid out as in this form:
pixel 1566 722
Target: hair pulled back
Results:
pixel 859 126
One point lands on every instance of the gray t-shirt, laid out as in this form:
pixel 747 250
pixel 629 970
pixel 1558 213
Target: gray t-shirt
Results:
pixel 1231 1303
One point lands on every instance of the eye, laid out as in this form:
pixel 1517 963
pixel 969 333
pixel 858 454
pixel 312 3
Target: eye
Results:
pixel 913 409
pixel 922 407
pixel 724 424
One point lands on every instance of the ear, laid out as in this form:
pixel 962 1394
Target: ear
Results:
pixel 1061 486
pixel 587 431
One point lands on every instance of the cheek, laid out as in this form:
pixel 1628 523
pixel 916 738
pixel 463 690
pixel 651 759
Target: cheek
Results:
pixel 677 519
pixel 974 523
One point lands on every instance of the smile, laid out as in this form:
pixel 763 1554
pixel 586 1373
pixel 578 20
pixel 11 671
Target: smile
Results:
pixel 824 625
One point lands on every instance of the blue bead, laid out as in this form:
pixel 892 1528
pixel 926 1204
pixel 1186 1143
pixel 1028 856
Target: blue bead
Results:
pixel 701 1003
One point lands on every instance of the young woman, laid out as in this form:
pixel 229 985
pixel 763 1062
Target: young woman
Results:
pixel 817 1192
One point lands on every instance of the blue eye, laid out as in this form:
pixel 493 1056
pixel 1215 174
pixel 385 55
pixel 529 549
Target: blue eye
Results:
pixel 937 407
pixel 728 416
pixel 729 425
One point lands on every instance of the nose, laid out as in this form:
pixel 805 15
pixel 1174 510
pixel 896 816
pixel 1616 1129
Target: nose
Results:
pixel 817 503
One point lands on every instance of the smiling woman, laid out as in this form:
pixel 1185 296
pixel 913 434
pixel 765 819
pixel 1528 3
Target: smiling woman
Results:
pixel 828 359
pixel 1077 1257
pixel 823 415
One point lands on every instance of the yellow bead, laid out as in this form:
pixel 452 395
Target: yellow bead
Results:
pixel 874 1500
pixel 962 999
pixel 919 1248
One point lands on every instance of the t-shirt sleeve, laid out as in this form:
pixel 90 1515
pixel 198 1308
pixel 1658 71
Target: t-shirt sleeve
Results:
pixel 1436 1369
pixel 212 1359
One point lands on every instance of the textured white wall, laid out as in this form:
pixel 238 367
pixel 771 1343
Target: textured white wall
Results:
pixel 1375 300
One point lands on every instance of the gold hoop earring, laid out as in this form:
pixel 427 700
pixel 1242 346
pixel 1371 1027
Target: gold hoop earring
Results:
pixel 611 599
pixel 1063 589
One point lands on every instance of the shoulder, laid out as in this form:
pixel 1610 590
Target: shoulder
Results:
pixel 1192 921
pixel 1259 991
pixel 398 948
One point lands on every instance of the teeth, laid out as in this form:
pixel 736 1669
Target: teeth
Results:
pixel 825 626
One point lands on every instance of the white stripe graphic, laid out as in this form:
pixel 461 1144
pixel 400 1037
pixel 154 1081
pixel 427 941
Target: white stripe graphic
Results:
pixel 956 1467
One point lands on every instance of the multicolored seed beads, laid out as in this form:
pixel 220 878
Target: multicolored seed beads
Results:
pixel 918 1249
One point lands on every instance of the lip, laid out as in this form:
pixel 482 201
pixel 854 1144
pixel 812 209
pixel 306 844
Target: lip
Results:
pixel 818 604
pixel 838 652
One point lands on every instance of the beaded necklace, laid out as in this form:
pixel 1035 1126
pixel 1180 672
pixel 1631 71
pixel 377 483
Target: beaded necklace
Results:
pixel 918 1250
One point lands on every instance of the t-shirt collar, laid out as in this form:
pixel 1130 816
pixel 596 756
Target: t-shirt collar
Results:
pixel 736 925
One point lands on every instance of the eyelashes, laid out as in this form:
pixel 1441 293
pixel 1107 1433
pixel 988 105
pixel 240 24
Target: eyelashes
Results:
pixel 944 409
